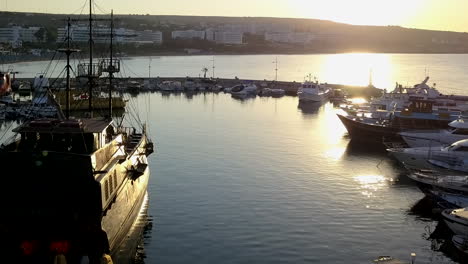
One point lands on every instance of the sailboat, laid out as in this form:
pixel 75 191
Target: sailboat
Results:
pixel 76 185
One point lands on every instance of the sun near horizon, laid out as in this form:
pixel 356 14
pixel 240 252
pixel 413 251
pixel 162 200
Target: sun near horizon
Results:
pixel 446 15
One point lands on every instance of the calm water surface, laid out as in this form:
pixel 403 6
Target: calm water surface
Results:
pixel 269 181
pixel 447 70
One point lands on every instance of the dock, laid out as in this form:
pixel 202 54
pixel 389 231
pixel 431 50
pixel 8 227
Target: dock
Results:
pixel 290 87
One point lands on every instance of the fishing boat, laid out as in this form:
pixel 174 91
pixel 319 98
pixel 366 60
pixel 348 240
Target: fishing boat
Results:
pixel 79 183
pixel 418 116
pixel 313 92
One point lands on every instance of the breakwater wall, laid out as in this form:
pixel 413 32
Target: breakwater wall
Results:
pixel 289 87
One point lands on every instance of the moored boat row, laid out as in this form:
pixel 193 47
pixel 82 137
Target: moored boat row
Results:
pixel 425 131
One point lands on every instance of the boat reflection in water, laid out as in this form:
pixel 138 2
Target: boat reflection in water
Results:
pixel 309 108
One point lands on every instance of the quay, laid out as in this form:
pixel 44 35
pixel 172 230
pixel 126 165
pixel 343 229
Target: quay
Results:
pixel 290 87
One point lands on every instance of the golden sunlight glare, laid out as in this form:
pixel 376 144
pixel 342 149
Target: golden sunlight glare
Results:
pixel 360 12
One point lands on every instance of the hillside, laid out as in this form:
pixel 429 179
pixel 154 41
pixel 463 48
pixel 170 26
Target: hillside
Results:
pixel 331 36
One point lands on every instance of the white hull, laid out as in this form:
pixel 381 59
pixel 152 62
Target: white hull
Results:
pixel 414 142
pixel 412 160
pixel 431 139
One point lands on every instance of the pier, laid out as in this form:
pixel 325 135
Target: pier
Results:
pixel 290 87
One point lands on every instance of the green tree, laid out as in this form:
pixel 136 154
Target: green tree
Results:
pixel 40 34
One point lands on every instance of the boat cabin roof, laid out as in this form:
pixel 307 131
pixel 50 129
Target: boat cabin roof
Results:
pixel 459 123
pixel 458 144
pixel 64 126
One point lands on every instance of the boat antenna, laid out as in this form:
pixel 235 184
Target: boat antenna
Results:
pixel 149 67
pixel 213 60
pixel 276 68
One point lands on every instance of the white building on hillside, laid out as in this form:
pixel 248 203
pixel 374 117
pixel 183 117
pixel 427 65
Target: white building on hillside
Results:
pixel 80 33
pixel 210 34
pixel 16 35
pixel 290 37
pixel 188 34
pixel 226 37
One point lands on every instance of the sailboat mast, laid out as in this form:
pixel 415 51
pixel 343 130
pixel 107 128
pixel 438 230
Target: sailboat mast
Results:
pixel 67 99
pixel 111 72
pixel 90 69
pixel 68 51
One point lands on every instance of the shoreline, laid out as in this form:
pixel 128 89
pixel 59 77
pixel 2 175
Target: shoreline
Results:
pixel 183 54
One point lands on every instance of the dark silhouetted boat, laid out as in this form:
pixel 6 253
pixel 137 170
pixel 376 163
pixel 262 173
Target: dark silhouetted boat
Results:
pixel 73 187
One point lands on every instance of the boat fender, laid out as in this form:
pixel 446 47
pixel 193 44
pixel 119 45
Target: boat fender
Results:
pixel 60 259
pixel 106 259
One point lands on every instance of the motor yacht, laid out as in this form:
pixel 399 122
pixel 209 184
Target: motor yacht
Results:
pixel 170 86
pixel 244 90
pixel 432 180
pixel 456 220
pixel 453 157
pixel 457 130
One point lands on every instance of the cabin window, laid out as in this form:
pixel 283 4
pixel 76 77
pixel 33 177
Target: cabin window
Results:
pixel 115 179
pixel 111 185
pixel 106 190
pixel 460 132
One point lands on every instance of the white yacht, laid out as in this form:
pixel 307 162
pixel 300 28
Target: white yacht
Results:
pixel 458 130
pixel 453 157
pixel 313 92
pixel 456 220
pixel 244 90
pixel 170 86
pixel 433 180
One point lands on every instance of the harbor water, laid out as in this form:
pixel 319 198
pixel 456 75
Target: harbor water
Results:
pixel 267 180
pixel 448 71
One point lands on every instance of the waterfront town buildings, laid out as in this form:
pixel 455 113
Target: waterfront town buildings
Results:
pixel 16 35
pixel 80 33
pixel 188 34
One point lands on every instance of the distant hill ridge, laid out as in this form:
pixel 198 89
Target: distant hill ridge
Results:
pixel 332 36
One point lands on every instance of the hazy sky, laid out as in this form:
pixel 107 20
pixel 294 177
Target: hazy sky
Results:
pixel 427 14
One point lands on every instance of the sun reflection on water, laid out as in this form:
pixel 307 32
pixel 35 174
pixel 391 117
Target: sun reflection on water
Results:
pixel 371 183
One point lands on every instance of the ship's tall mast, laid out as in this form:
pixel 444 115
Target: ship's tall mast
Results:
pixel 68 51
pixel 111 72
pixel 90 69
pixel 67 100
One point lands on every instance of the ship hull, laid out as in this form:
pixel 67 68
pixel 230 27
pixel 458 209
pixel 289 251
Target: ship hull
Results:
pixel 122 213
pixel 362 131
